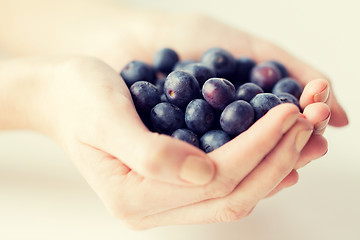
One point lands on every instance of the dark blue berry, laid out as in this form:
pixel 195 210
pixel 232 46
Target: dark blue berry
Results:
pixel 281 67
pixel 213 140
pixel 218 92
pixel 265 75
pixel 263 102
pixel 163 98
pixel 200 71
pixel 247 91
pixel 237 117
pixel 137 71
pixel 166 118
pixel 199 116
pixel 182 64
pixel 288 98
pixel 244 65
pixel 180 88
pixel 221 61
pixel 187 136
pixel 159 83
pixel 288 85
pixel 165 60
pixel 145 96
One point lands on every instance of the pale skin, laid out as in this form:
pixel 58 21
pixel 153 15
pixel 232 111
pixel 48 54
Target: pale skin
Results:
pixel 143 178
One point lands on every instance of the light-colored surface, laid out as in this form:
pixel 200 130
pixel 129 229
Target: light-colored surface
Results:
pixel 42 196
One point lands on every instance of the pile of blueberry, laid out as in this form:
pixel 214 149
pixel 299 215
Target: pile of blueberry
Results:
pixel 208 102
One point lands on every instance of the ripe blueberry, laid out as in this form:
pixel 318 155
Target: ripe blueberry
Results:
pixel 288 85
pixel 180 88
pixel 199 116
pixel 221 61
pixel 213 140
pixel 186 135
pixel 237 117
pixel 263 102
pixel 137 71
pixel 145 96
pixel 166 118
pixel 165 60
pixel 218 92
pixel 265 75
pixel 247 91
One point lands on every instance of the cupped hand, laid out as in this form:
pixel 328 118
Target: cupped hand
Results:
pixel 147 179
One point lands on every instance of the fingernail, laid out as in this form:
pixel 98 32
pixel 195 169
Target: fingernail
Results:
pixel 290 120
pixel 322 96
pixel 197 170
pixel 321 125
pixel 302 138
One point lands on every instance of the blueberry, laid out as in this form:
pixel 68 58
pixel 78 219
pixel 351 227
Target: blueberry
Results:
pixel 165 60
pixel 244 65
pixel 137 71
pixel 182 64
pixel 263 102
pixel 281 67
pixel 221 61
pixel 266 75
pixel 186 135
pixel 247 91
pixel 288 98
pixel 288 85
pixel 213 140
pixel 145 96
pixel 200 71
pixel 166 118
pixel 159 83
pixel 199 116
pixel 180 88
pixel 218 92
pixel 163 98
pixel 237 117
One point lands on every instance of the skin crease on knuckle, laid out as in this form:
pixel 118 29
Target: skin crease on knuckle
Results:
pixel 234 211
pixel 220 188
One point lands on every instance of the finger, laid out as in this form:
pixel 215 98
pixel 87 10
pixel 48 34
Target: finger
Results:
pixel 154 155
pixel 120 132
pixel 317 90
pixel 259 183
pixel 316 148
pixel 240 156
pixel 318 114
pixel 290 180
pixel 304 73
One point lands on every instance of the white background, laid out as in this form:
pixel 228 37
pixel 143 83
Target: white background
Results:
pixel 42 196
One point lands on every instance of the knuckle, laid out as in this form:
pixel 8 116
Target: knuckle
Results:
pixel 233 212
pixel 220 188
pixel 281 168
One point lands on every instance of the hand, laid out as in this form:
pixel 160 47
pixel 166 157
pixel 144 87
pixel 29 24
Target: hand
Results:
pixel 86 107
pixel 89 111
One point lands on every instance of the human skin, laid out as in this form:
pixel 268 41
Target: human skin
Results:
pixel 84 105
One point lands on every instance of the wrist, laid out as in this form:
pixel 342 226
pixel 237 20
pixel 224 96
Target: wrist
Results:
pixel 23 94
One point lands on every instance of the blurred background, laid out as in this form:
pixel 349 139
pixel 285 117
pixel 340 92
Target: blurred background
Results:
pixel 42 196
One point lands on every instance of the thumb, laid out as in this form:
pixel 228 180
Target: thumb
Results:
pixel 154 155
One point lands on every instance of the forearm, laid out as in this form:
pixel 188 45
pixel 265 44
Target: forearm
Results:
pixel 22 98
pixel 52 27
